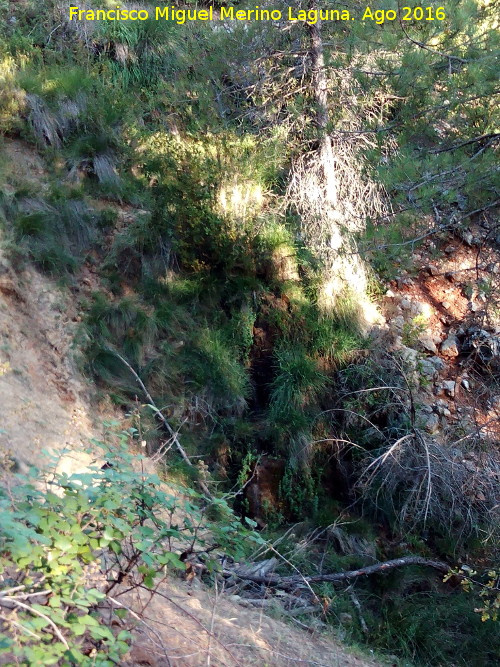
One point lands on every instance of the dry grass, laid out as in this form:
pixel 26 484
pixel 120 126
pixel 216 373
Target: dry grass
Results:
pixel 428 483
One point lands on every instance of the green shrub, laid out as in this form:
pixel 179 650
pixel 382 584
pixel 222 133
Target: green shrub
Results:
pixel 432 628
pixel 297 383
pixel 214 368
pixel 57 532
pixel 56 236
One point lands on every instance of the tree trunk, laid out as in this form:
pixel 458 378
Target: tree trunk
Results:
pixel 320 96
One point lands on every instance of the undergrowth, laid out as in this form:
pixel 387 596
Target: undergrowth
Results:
pixel 67 541
pixel 206 286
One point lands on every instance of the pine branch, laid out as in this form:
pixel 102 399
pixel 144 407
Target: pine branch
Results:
pixel 493 136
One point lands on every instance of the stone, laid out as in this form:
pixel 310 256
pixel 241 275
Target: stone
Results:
pixel 494 402
pixel 449 387
pixel 405 303
pixel 427 369
pixel 466 384
pixel 438 363
pixel 404 282
pixel 427 343
pixel 398 322
pixel 432 270
pixel 441 408
pixel 468 238
pixel 390 294
pixel 449 347
pixel 398 343
pixel 450 249
pixel 418 308
pixel 432 424
pixel 409 355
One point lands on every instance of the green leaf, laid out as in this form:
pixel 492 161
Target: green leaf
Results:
pixel 5 643
pixel 63 543
pixel 101 632
pixel 75 656
pixel 116 547
pixel 169 558
pixel 88 620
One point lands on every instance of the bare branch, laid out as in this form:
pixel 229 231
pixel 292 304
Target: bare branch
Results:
pixel 58 633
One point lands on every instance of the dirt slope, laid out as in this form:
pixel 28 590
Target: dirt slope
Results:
pixel 194 627
pixel 43 399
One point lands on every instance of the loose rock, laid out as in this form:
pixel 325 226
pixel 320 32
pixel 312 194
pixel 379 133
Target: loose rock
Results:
pixel 432 424
pixel 427 343
pixel 438 363
pixel 449 347
pixel 449 387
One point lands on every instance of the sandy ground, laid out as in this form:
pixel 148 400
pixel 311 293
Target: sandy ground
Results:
pixel 43 398
pixel 43 402
pixel 188 626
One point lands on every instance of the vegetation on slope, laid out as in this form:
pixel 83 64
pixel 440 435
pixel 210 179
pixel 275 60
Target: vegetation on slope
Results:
pixel 249 205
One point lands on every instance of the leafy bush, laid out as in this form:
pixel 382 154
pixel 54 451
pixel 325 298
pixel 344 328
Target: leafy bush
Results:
pixel 68 541
pixel 297 383
pixel 214 367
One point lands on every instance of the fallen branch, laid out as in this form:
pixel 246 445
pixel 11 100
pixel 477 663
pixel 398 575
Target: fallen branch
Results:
pixel 290 581
pixel 491 137
pixel 11 621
